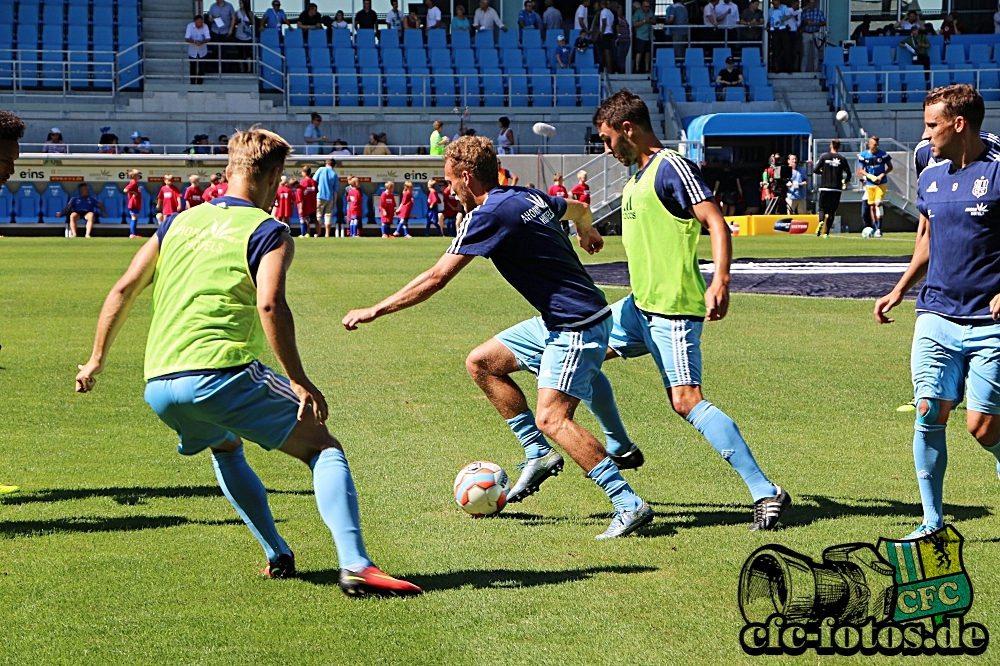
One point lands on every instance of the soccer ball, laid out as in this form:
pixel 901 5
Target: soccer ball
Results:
pixel 481 488
pixel 867 232
pixel 842 116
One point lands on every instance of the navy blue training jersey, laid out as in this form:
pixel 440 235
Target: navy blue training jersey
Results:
pixel 518 229
pixel 924 157
pixel 679 184
pixel 963 208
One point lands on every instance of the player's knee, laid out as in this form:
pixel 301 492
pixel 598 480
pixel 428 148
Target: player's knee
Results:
pixel 928 411
pixel 476 363
pixel 549 421
pixel 684 403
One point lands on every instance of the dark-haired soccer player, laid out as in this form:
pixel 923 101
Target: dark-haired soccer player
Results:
pixel 956 340
pixel 518 229
pixel 11 131
pixel 834 171
pixel 665 206
pixel 218 275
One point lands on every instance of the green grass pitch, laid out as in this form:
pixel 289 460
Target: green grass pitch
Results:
pixel 119 551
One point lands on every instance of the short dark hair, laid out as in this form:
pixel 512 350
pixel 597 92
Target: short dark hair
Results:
pixel 959 100
pixel 11 127
pixel 315 116
pixel 505 121
pixel 623 106
pixel 835 144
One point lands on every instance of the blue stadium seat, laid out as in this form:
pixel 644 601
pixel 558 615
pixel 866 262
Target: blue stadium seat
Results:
pixel 419 204
pixel 882 56
pixel 445 91
pixel 511 58
pixel 420 89
pixel 392 60
pixel 735 94
pixel 395 87
pixel 954 54
pixel 319 58
pixel 916 85
pixel 867 88
pixel 989 84
pixel 6 204
pixel 27 35
pixel 531 39
pixel 719 55
pixel 964 76
pixel 750 57
pixel 698 77
pixel 368 61
pixel 6 35
pixel 519 90
pixel 940 76
pixel 53 201
pixel 694 56
pixel 53 12
pixel 27 204
pixel 416 61
pixel 535 58
pixel 103 16
pixel 493 92
pixel 113 201
pixel 341 38
pixel 460 40
pixel 469 89
pixel 936 55
pixel 590 90
pixel 508 40
pixel 894 91
pixel 413 39
pixel 271 38
pixel 26 13
pixel 388 39
pixel 52 56
pixel 127 17
pixel 979 55
pixel 437 39
pixel 343 56
pixel 565 90
pixel 298 89
pixel 293 39
pixel 762 94
pixel 857 55
pixel 370 95
pixel 365 38
pixel 487 61
pixel 148 209
pixel 441 61
pixel 78 15
pixel 484 40
pixel 347 90
pixel 583 61
pixel 541 89
pixel 295 60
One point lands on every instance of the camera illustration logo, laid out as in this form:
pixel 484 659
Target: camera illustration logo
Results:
pixel 899 597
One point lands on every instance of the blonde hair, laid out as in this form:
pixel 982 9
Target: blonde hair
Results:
pixel 132 173
pixel 352 181
pixel 556 178
pixel 194 177
pixel 168 179
pixel 408 185
pixel 284 179
pixel 582 175
pixel 476 155
pixel 255 151
pixel 389 184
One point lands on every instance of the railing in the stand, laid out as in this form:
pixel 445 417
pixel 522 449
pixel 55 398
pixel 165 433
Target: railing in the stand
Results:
pixel 902 180
pixel 63 73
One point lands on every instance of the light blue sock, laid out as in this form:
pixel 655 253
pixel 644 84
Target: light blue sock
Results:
pixel 722 433
pixel 607 476
pixel 531 438
pixel 246 493
pixel 338 506
pixel 995 450
pixel 602 406
pixel 930 457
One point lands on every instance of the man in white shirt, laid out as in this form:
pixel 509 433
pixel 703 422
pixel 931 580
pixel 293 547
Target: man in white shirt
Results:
pixel 486 18
pixel 394 17
pixel 607 19
pixel 795 41
pixel 580 18
pixel 197 35
pixel 728 16
pixel 433 20
pixel 996 22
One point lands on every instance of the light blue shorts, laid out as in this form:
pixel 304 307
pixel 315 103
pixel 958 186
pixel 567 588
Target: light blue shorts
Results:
pixel 208 409
pixel 674 343
pixel 948 360
pixel 567 361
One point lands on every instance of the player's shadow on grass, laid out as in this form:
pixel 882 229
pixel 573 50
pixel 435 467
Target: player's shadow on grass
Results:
pixel 127 496
pixel 807 509
pixel 33 528
pixel 484 579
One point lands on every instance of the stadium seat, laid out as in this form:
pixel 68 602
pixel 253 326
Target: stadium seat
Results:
pixel 916 85
pixel 698 77
pixel 27 13
pixel 493 92
pixel 103 15
pixel 460 40
pixel 541 89
pixel 293 39
pixel 508 40
pixel 894 91
pixel 484 40
pixel 271 38
pixel 583 61
pixel 392 61
pixel 348 90
pixel 565 90
pixel 590 90
pixel 535 58
pixel 519 91
pixel 756 76
pixel 319 58
pixel 735 94
pixel 882 57
pixel 464 61
pixel 295 60
pixel 719 55
pixel 762 94
pixel 416 61
pixel 531 39
pixel 441 61
pixel 989 84
pixel 979 55
pixel 368 61
pixel 445 91
pixel 147 212
pixel 344 58
pixel 750 57
pixel 341 38
pixel 27 204
pixel 53 201
pixel 694 56
pixel 469 90
pixel 437 39
pixel 298 89
pixel 395 87
pixel 700 94
pixel 388 39
pixel 365 38
pixel 419 210
pixel 867 88
pixel 954 54
pixel 6 205
pixel 113 201
pixel 857 55
pixel 52 13
pixel 487 61
pixel 413 39
pixel 964 76
pixel 322 89
pixel 940 76
pixel 78 15
pixel 370 93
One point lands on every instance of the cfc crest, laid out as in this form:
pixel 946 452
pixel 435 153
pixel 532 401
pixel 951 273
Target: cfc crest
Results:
pixel 979 187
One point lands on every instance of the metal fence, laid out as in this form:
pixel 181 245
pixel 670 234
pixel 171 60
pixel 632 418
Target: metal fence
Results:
pixel 901 181
pixel 895 86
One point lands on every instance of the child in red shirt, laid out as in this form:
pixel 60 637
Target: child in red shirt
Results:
pixel 134 204
pixel 193 195
pixel 405 208
pixel 557 189
pixel 168 200
pixel 283 202
pixel 354 199
pixel 307 203
pixel 435 207
pixel 452 212
pixel 212 190
pixel 387 207
pixel 581 191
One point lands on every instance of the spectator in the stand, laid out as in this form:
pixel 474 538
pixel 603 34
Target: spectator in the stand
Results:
pixel 438 141
pixel 796 185
pixel 863 30
pixel 133 202
pixel 505 140
pixel 728 189
pixel 460 21
pixel 108 143
pixel 623 43
pixel 581 17
pixel 199 145
pixel 486 18
pixel 340 148
pixel 340 21
pixel 381 146
pixel 751 21
pixel 54 142
pixel 412 21
pixel 729 76
pixel 557 188
pixel 506 176
pixel 433 20
pixel 608 49
pixel 552 18
pixel 677 15
pixel 274 17
pixel 375 147
pixel 366 19
pixel 563 53
pixel 950 25
pixel 421 150
pixel 728 15
pixel 221 146
pixel 327 189
pixel 643 21
pixel 140 145
pixel 911 19
pixel 918 45
pixel 996 22
pixel 394 17
pixel 168 199
pixel 813 22
pixel 581 191
pixel 243 36
pixel 710 18
pixel 528 18
pixel 221 24
pixel 795 40
pixel 780 37
pixel 197 35
pixel 310 19
pixel 83 205
pixel 313 135
pixel 193 196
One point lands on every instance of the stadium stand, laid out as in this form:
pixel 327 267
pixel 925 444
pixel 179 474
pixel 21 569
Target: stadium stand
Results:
pixel 54 201
pixel 6 205
pixel 113 200
pixel 27 204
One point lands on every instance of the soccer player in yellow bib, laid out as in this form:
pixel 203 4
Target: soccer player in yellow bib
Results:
pixel 875 165
pixel 218 275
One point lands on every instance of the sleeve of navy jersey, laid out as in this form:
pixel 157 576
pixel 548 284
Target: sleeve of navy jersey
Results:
pixel 679 182
pixel 481 233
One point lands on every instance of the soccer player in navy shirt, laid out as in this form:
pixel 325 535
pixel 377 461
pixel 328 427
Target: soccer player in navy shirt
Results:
pixel 518 229
pixel 84 205
pixel 956 340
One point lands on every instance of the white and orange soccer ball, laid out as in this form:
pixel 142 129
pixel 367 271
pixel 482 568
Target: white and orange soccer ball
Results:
pixel 481 488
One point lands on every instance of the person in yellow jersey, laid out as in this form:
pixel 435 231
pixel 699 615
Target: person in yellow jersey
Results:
pixel 11 131
pixel 218 275
pixel 665 206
